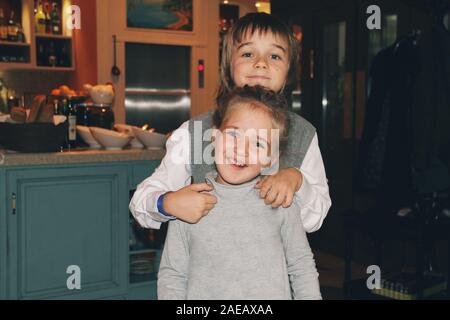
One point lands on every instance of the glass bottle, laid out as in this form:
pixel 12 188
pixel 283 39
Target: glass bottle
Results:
pixel 56 20
pixel 52 55
pixel 20 34
pixel 12 29
pixel 48 19
pixel 72 121
pixel 3 26
pixel 39 19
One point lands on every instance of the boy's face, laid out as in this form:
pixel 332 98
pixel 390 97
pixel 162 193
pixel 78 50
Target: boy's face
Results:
pixel 244 144
pixel 260 59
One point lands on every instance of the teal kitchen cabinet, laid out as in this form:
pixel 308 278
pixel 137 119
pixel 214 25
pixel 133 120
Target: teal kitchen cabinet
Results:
pixel 57 217
pixel 61 218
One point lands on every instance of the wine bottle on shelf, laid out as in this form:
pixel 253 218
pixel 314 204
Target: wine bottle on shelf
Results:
pixel 20 34
pixel 56 20
pixel 39 19
pixel 3 26
pixel 12 29
pixel 51 55
pixel 48 19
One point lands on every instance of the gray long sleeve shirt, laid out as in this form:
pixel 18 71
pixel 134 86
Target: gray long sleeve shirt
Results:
pixel 243 249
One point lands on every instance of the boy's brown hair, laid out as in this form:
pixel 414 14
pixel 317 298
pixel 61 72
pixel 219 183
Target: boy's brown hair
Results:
pixel 257 97
pixel 247 25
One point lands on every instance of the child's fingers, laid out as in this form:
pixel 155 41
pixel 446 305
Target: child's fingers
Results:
pixel 288 200
pixel 210 199
pixel 199 187
pixel 261 182
pixel 265 190
pixel 270 197
pixel 279 200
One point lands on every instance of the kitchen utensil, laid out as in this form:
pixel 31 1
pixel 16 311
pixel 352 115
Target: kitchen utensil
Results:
pixel 115 70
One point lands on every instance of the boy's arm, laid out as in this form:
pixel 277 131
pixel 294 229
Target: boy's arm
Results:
pixel 172 174
pixel 301 266
pixel 174 267
pixel 313 197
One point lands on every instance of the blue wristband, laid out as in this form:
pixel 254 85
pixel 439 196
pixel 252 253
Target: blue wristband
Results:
pixel 160 207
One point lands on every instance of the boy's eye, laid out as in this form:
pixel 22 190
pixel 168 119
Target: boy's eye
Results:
pixel 247 55
pixel 275 57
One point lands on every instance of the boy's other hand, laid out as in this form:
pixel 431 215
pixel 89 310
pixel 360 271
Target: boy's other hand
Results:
pixel 190 203
pixel 279 189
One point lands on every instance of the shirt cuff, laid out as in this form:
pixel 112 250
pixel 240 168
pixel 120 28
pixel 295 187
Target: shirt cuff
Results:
pixel 163 217
pixel 305 192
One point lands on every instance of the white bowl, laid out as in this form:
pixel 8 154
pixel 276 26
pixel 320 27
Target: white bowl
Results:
pixel 151 140
pixel 87 136
pixel 110 139
pixel 128 129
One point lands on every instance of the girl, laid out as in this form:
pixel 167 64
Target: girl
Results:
pixel 258 50
pixel 242 249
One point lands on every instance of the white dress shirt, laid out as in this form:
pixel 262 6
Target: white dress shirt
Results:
pixel 174 173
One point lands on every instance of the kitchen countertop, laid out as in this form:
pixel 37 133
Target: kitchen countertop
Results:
pixel 8 158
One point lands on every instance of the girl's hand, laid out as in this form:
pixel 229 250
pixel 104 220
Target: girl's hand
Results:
pixel 279 189
pixel 190 203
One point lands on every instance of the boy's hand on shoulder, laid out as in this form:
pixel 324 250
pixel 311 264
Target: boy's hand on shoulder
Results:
pixel 279 189
pixel 190 204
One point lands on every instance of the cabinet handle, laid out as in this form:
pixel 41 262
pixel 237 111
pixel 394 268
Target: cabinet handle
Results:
pixel 311 64
pixel 13 200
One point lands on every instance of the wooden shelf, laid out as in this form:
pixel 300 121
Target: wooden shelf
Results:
pixel 15 65
pixel 14 44
pixel 54 68
pixel 53 36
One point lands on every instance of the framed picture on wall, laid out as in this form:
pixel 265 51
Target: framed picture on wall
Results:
pixel 160 14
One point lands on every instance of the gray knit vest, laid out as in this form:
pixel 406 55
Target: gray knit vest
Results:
pixel 301 133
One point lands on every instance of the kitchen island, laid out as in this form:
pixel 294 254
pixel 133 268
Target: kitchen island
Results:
pixel 65 224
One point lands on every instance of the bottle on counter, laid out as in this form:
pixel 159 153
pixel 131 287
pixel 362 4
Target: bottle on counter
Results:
pixel 12 29
pixel 56 20
pixel 39 19
pixel 3 26
pixel 72 121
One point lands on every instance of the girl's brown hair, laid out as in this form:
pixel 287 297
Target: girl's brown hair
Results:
pixel 275 104
pixel 248 25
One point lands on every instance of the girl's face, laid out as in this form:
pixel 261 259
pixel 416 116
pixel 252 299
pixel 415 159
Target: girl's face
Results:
pixel 260 59
pixel 243 145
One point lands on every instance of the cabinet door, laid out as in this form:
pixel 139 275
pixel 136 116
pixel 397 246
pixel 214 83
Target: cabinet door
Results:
pixel 3 239
pixel 67 216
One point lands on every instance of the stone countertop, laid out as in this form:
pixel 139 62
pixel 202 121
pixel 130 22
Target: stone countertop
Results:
pixel 8 158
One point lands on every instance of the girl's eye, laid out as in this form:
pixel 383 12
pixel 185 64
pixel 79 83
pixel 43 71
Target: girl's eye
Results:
pixel 232 133
pixel 247 55
pixel 260 145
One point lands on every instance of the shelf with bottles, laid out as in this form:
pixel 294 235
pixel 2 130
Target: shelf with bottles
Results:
pixel 53 53
pixel 48 18
pixel 54 47
pixel 15 33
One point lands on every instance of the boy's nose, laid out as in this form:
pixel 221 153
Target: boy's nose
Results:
pixel 261 63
